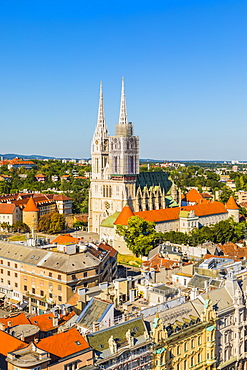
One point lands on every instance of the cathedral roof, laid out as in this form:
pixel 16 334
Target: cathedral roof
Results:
pixel 124 216
pixel 110 220
pixel 31 206
pixel 149 179
pixel 231 203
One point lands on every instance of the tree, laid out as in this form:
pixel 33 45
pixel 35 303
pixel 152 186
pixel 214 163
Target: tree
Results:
pixel 225 194
pixel 20 226
pixel 51 223
pixel 140 235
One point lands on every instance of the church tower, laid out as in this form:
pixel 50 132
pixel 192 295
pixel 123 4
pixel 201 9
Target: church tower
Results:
pixel 115 165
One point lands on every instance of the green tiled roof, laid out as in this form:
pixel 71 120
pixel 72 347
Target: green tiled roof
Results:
pixel 149 179
pixel 99 340
pixel 109 221
pixel 170 202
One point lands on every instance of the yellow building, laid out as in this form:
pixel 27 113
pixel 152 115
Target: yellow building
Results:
pixel 184 339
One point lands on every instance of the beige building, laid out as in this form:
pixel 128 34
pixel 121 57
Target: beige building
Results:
pixel 10 213
pixel 42 278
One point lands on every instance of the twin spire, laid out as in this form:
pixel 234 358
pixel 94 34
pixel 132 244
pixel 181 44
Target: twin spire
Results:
pixel 123 118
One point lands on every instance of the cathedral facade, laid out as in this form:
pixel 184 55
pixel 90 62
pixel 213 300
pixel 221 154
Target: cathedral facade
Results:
pixel 115 179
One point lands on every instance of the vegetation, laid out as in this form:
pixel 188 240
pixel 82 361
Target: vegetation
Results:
pixel 129 260
pixel 51 223
pixel 221 233
pixel 139 235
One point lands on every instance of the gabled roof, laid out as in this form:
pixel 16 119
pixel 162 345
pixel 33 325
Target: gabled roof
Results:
pixel 44 321
pixel 124 216
pixel 64 344
pixel 61 197
pixel 31 206
pixel 65 239
pixel 193 196
pixel 110 220
pixel 7 208
pixel 95 311
pixel 231 203
pixel 9 343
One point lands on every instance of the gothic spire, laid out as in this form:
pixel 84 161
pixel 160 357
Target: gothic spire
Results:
pixel 123 119
pixel 101 126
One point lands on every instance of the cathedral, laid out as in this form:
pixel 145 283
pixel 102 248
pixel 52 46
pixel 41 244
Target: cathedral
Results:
pixel 116 180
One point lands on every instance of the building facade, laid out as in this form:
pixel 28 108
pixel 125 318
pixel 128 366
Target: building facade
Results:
pixel 115 179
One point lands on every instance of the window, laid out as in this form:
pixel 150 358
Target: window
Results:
pixel 59 287
pixel 199 357
pixel 199 340
pixel 42 293
pixel 192 361
pixel 41 303
pixel 33 290
pixel 85 274
pixel 50 274
pixel 15 265
pixel 8 282
pixel 25 288
pixel 208 356
pixel 1 280
pixel 8 263
pixel 41 282
pixel 185 347
pixel 24 277
pixel 192 343
pixel 33 280
pixel 71 366
pixel 1 262
pixel 73 277
pixel 50 295
pixel 1 271
pixel 59 277
pixel 178 350
pixel 8 273
pixel 16 285
pixel 59 298
pixel 185 365
pixel 16 275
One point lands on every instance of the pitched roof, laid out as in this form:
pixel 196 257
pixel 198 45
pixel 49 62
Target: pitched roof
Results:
pixel 124 215
pixel 64 344
pixel 61 197
pixel 108 248
pixel 94 311
pixel 9 343
pixel 31 206
pixel 16 320
pixel 231 203
pixel 65 239
pixel 44 321
pixel 233 250
pixel 193 196
pixel 110 220
pixel 7 208
pixel 169 214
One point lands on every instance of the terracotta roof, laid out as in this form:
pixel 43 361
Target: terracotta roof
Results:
pixel 16 320
pixel 193 196
pixel 83 217
pixel 44 321
pixel 64 344
pixel 168 214
pixel 40 175
pixel 157 263
pixel 61 197
pixel 234 251
pixel 108 248
pixel 124 215
pixel 9 343
pixel 231 203
pixel 65 239
pixel 31 206
pixel 206 195
pixel 7 208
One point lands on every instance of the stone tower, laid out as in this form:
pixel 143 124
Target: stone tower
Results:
pixel 115 165
pixel 31 214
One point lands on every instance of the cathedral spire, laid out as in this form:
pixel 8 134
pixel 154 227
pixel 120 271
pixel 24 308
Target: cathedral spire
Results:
pixel 101 129
pixel 123 119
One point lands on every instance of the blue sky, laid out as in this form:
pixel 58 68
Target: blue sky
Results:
pixel 184 63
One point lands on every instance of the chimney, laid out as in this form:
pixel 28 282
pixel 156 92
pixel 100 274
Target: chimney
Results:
pixel 22 337
pixel 9 324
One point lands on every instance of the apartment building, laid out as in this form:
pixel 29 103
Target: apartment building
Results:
pixel 41 278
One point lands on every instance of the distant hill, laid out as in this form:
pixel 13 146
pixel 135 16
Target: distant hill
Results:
pixel 33 156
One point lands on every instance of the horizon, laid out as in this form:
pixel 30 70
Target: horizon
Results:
pixel 184 66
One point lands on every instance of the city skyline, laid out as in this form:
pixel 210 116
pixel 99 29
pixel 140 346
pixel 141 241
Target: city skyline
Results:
pixel 184 66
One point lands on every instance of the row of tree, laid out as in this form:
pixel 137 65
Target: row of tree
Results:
pixel 141 237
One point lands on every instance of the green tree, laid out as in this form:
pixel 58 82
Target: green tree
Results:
pixel 140 235
pixel 225 194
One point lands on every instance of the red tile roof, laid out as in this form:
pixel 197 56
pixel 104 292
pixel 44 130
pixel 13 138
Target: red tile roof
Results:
pixel 108 248
pixel 44 321
pixel 61 197
pixel 64 344
pixel 123 217
pixel 9 343
pixel 16 320
pixel 234 251
pixel 31 206
pixel 169 214
pixel 193 196
pixel 231 203
pixel 65 239
pixel 7 208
